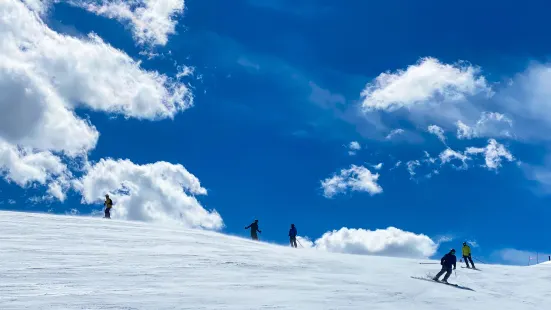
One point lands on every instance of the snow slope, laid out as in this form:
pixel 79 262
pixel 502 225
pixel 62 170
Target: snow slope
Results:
pixel 63 262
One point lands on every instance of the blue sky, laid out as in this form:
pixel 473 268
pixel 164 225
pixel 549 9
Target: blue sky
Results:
pixel 277 100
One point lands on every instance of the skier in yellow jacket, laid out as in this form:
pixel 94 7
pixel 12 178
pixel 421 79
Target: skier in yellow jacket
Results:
pixel 467 255
pixel 108 205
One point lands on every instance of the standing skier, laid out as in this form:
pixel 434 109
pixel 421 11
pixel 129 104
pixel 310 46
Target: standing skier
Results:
pixel 467 255
pixel 293 235
pixel 254 229
pixel 108 205
pixel 447 262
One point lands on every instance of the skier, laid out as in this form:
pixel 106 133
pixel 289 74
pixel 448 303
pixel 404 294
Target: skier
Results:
pixel 108 205
pixel 254 229
pixel 447 262
pixel 293 235
pixel 467 255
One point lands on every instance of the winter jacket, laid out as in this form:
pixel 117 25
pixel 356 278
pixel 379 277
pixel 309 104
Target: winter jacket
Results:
pixel 293 232
pixel 448 260
pixel 108 203
pixel 466 250
pixel 253 227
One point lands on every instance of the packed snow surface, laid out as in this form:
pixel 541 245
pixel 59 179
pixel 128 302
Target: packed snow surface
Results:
pixel 65 262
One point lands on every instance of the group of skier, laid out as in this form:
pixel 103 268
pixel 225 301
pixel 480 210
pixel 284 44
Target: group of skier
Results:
pixel 292 233
pixel 449 260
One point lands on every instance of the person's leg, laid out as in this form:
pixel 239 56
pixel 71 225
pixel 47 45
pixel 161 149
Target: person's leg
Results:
pixel 254 236
pixel 295 242
pixel 108 213
pixel 466 259
pixel 439 274
pixel 471 260
pixel 448 274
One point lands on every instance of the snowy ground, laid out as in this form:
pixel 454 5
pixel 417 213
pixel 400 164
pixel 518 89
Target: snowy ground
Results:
pixel 62 262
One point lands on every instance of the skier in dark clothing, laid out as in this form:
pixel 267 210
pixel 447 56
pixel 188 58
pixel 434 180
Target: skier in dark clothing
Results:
pixel 447 262
pixel 254 229
pixel 108 205
pixel 293 235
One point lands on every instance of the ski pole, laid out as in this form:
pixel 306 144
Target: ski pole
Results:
pixel 300 243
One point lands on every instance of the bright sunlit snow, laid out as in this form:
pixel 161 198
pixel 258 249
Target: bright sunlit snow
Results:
pixel 65 262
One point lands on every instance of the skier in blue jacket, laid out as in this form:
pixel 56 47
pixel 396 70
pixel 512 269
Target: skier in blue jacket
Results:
pixel 447 262
pixel 293 235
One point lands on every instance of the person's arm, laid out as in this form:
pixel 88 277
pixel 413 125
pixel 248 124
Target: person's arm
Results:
pixel 248 227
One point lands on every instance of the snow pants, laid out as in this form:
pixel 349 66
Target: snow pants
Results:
pixel 107 213
pixel 467 260
pixel 293 241
pixel 447 270
pixel 254 236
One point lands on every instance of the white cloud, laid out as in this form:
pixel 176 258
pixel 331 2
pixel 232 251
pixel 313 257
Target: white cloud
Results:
pixel 354 147
pixel 394 133
pixel 11 201
pixel 160 192
pixel 464 131
pixel 490 124
pixel 24 166
pixel 412 164
pixel 152 21
pixel 448 155
pixel 305 242
pixel 437 131
pixel 428 80
pixel 378 166
pixel 385 242
pixel 45 75
pixel 493 154
pixel 356 178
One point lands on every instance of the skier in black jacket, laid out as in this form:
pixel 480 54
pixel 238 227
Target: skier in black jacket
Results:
pixel 447 262
pixel 254 229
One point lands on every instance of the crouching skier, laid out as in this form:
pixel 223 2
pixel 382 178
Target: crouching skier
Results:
pixel 254 229
pixel 447 262
pixel 467 255
pixel 108 205
pixel 293 236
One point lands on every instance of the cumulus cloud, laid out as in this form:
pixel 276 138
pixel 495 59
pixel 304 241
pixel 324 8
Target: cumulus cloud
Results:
pixel 45 76
pixel 385 242
pixel 437 131
pixel 493 153
pixel 25 166
pixel 160 192
pixel 378 166
pixel 429 79
pixel 354 147
pixel 65 72
pixel 356 178
pixel 152 21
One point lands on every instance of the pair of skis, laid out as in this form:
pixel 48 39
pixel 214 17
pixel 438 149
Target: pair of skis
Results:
pixel 446 283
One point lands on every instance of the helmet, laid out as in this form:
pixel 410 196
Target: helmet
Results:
pixel 464 243
pixel 255 221
pixel 452 251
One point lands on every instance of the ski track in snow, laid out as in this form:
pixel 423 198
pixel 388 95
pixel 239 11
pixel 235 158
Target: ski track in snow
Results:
pixel 65 262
